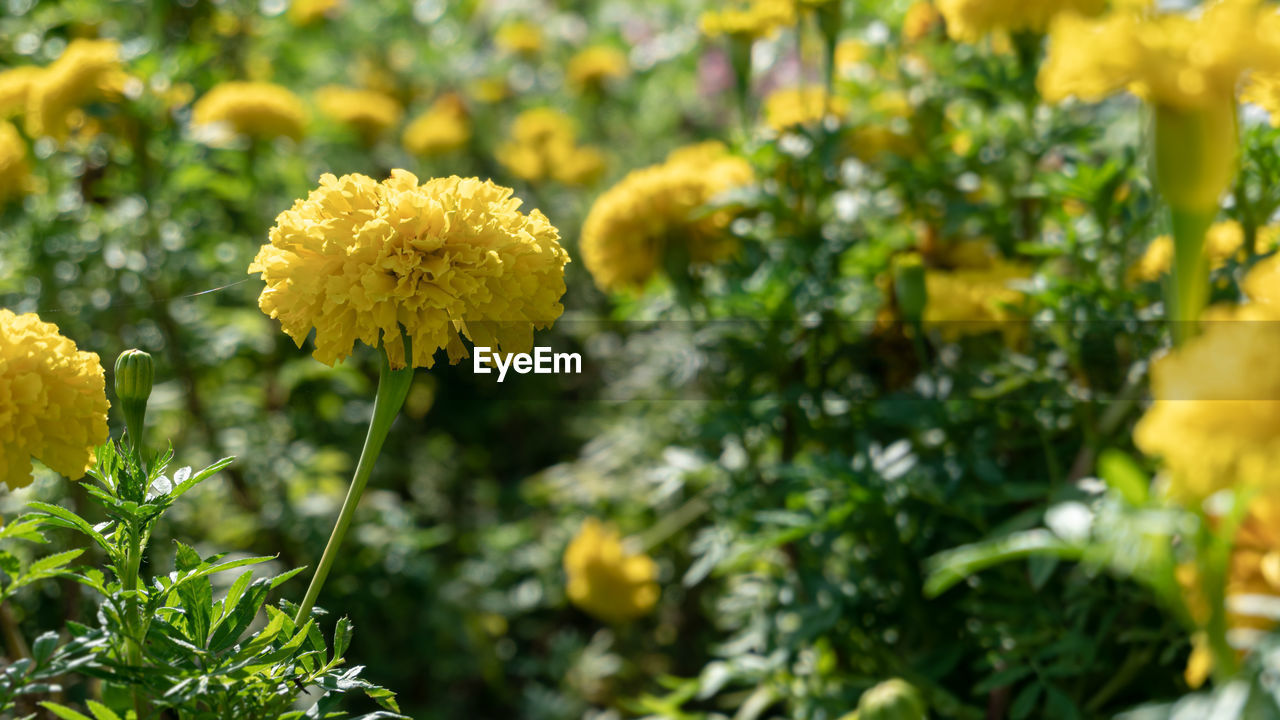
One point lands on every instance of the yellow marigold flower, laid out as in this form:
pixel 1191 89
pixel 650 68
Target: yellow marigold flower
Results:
pixel 543 145
pixel 1215 421
pixel 789 107
pixel 361 260
pixel 605 579
pixel 251 109
pixel 977 295
pixel 593 66
pixel 632 226
pixel 307 12
pixel 579 165
pixel 369 112
pixel 971 20
pixel 53 401
pixel 1224 241
pixel 920 21
pixel 14 86
pixel 1171 59
pixel 519 37
pixel 748 19
pixel 850 53
pixel 1262 89
pixel 15 173
pixel 491 89
pixel 87 71
pixel 442 128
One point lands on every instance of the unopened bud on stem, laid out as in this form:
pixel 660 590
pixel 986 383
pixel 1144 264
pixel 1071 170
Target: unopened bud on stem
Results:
pixel 134 375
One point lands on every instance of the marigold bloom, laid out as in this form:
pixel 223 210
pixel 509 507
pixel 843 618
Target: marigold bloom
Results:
pixel 53 401
pixel 606 580
pixel 307 12
pixel 633 226
pixel 1224 241
pixel 519 37
pixel 87 71
pixel 1215 421
pixel 975 294
pixel 14 86
pixel 971 20
pixel 1262 89
pixel 251 109
pixel 442 128
pixel 920 21
pixel 544 145
pixel 369 112
pixel 788 107
pixel 748 19
pixel 15 172
pixel 593 66
pixel 361 260
pixel 1169 59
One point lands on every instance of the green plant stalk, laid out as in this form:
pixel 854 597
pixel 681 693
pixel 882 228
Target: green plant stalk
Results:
pixel 133 613
pixel 1189 281
pixel 393 387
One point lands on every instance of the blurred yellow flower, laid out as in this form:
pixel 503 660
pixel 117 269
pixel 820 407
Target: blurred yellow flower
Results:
pixel 87 71
pixel 976 295
pixel 748 19
pixel 1223 241
pixel 15 84
pixel 252 109
pixel 971 20
pixel 1215 421
pixel 544 145
pixel 606 580
pixel 15 172
pixel 921 20
pixel 519 37
pixel 1262 89
pixel 635 225
pixel 53 402
pixel 369 112
pixel 361 260
pixel 444 127
pixel 593 66
pixel 788 107
pixel 491 89
pixel 307 12
pixel 1170 59
pixel 850 53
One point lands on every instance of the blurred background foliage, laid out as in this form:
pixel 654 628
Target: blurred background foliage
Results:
pixel 790 445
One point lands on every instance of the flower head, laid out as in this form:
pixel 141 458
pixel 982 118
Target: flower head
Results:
pixel 519 37
pixel 971 20
pixel 976 295
pixel 1170 59
pixel 748 19
pixel 544 144
pixel 15 172
pixel 593 66
pixel 921 19
pixel 252 109
pixel 14 86
pixel 369 112
pixel 1223 241
pixel 790 107
pixel 87 71
pixel 307 12
pixel 365 260
pixel 442 128
pixel 53 401
pixel 632 226
pixel 605 579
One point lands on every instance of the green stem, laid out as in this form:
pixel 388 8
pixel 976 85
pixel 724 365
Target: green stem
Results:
pixel 1189 284
pixel 133 613
pixel 393 386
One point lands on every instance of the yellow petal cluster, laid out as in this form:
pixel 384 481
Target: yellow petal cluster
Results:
pixel 443 127
pixel 971 20
pixel 53 402
pixel 452 257
pixel 591 67
pixel 519 37
pixel 369 112
pixel 15 172
pixel 1262 89
pixel 252 109
pixel 748 19
pixel 87 71
pixel 1215 419
pixel 307 12
pixel 14 86
pixel 606 580
pixel 919 22
pixel 1223 241
pixel 1174 60
pixel 790 107
pixel 976 295
pixel 544 144
pixel 632 226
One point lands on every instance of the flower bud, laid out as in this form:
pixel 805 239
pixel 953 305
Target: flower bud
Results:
pixel 894 699
pixel 134 375
pixel 909 286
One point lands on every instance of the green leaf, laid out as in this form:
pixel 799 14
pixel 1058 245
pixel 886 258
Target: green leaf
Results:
pixel 100 711
pixel 950 567
pixel 64 712
pixel 342 637
pixel 188 559
pixel 1124 476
